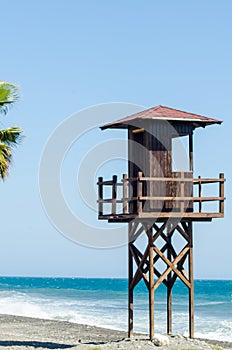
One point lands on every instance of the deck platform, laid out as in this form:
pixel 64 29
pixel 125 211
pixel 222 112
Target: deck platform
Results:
pixel 122 206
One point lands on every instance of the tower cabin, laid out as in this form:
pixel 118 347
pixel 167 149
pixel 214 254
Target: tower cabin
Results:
pixel 159 201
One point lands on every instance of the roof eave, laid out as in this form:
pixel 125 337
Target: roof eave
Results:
pixel 196 123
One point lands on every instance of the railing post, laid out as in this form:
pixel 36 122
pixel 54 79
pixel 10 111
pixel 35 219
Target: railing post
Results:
pixel 182 202
pixel 139 193
pixel 125 194
pixel 199 193
pixel 114 193
pixel 221 193
pixel 100 196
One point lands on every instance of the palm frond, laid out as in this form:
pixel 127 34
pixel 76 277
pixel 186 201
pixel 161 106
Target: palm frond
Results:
pixel 5 159
pixel 11 136
pixel 8 95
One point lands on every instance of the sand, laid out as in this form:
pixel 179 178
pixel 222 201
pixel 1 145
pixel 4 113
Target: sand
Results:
pixel 24 333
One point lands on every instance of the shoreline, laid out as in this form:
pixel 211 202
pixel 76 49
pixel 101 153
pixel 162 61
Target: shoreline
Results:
pixel 26 333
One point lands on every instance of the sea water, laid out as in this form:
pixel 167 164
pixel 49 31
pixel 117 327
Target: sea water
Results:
pixel 103 302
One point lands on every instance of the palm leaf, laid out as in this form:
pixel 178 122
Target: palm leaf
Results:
pixel 11 136
pixel 8 95
pixel 5 159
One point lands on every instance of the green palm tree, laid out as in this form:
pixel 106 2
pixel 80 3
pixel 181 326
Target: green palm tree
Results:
pixel 9 137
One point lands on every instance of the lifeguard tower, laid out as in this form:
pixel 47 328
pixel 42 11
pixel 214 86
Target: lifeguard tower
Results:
pixel 160 202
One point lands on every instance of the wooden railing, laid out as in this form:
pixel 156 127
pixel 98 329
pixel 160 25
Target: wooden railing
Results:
pixel 121 204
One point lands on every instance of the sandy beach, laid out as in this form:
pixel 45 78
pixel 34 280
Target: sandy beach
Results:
pixel 31 333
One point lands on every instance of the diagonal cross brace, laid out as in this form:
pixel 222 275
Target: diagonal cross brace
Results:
pixel 139 272
pixel 172 267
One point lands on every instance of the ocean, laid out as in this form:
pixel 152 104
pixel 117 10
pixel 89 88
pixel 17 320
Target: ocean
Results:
pixel 103 302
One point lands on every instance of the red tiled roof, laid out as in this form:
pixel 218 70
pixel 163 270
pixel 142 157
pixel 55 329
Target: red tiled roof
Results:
pixel 163 113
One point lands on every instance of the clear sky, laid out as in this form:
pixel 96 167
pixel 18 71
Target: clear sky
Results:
pixel 70 55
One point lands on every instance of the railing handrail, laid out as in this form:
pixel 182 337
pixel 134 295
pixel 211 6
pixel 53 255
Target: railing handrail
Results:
pixel 159 198
pixel 175 179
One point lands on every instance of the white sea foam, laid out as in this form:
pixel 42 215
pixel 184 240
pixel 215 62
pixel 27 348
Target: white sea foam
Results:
pixel 109 313
pixel 220 331
pixel 210 303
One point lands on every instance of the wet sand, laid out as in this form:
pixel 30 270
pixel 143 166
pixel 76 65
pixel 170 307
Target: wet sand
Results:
pixel 24 333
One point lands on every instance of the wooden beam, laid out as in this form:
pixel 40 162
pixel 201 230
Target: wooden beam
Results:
pixel 221 194
pixel 100 196
pixel 206 181
pixel 180 268
pixel 169 279
pixel 200 193
pixel 159 230
pixel 114 193
pixel 188 215
pixel 139 272
pixel 161 217
pixel 173 179
pixel 182 203
pixel 139 232
pixel 158 274
pixel 162 250
pixel 182 232
pixel 139 193
pixel 191 288
pixel 132 229
pixel 125 194
pixel 191 151
pixel 151 284
pixel 135 131
pixel 181 198
pixel 130 290
pixel 156 257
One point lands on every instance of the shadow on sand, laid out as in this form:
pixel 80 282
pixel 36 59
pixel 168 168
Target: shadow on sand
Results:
pixel 35 344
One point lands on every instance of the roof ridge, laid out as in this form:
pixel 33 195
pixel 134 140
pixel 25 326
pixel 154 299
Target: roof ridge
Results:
pixel 185 112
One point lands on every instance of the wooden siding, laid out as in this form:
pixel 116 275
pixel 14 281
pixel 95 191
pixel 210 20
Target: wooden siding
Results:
pixel 150 152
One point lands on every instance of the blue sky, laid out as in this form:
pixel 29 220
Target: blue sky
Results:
pixel 66 56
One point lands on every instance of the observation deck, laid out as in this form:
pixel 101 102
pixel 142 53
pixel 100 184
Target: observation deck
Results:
pixel 161 198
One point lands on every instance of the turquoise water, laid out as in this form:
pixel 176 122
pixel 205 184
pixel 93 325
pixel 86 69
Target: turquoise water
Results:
pixel 103 302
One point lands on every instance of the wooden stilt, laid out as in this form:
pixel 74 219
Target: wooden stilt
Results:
pixel 169 284
pixel 191 151
pixel 191 280
pixel 130 288
pixel 169 309
pixel 151 284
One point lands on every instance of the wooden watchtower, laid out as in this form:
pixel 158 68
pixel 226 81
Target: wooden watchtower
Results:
pixel 156 201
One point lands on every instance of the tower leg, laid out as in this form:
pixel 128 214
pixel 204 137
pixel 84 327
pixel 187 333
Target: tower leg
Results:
pixel 169 310
pixel 130 289
pixel 151 283
pixel 191 280
pixel 169 286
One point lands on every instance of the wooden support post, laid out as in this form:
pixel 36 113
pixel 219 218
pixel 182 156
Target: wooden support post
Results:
pixel 169 282
pixel 191 280
pixel 130 289
pixel 100 196
pixel 151 283
pixel 191 151
pixel 199 193
pixel 114 194
pixel 221 193
pixel 125 194
pixel 182 194
pixel 139 193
